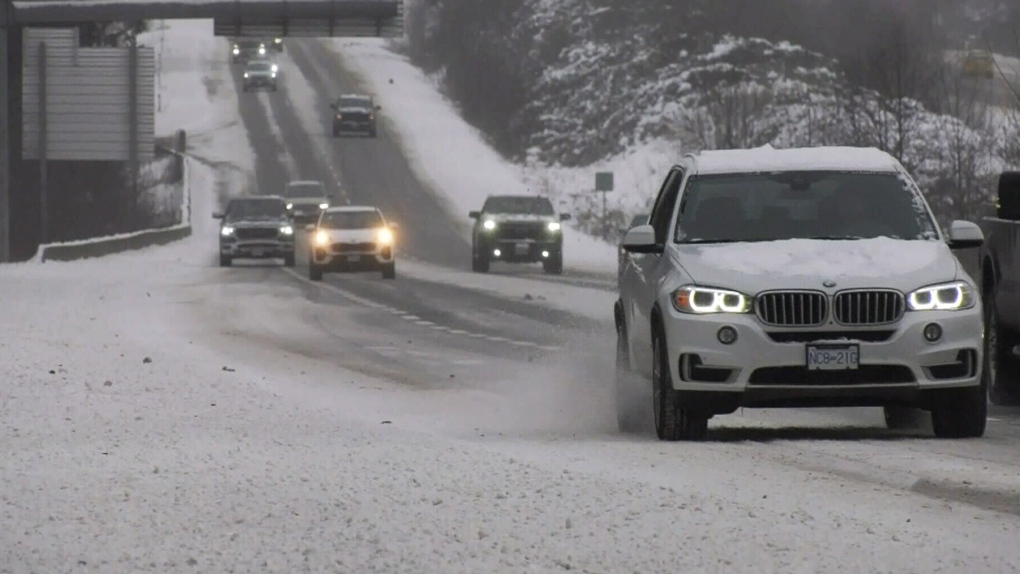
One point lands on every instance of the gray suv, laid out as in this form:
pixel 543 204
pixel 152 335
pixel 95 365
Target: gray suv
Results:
pixel 256 227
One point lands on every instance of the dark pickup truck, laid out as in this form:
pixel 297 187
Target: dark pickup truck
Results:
pixel 1000 279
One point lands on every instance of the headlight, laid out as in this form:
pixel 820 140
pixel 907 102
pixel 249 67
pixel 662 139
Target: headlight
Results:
pixel 246 74
pixel 321 238
pixel 385 236
pixel 287 230
pixel 323 206
pixel 554 226
pixel 945 297
pixel 290 206
pixel 489 224
pixel 227 231
pixel 262 49
pixel 703 300
pixel 273 74
pixel 275 68
pixel 236 51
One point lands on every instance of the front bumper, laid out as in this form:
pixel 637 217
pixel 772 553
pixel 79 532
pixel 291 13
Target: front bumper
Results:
pixel 257 249
pixel 520 250
pixel 768 365
pixel 354 126
pixel 259 82
pixel 352 257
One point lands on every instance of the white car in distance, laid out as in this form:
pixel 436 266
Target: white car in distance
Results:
pixel 797 278
pixel 352 238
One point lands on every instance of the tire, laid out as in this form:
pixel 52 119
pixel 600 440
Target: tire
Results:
pixel 479 262
pixel 226 261
pixel 672 421
pixel 629 406
pixel 554 264
pixel 390 271
pixel 314 271
pixel 961 413
pixel 289 260
pixel 898 417
pixel 1002 367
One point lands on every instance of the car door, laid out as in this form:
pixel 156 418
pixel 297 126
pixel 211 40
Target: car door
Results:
pixel 645 270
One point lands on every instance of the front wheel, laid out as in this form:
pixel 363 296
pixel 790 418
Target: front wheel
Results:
pixel 289 260
pixel 390 270
pixel 226 261
pixel 314 271
pixel 1002 367
pixel 554 264
pixel 672 421
pixel 961 413
pixel 479 261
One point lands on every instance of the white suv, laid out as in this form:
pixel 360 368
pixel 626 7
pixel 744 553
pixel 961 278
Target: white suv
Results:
pixel 797 278
pixel 352 238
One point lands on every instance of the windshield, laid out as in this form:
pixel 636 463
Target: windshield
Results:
pixel 351 220
pixel 801 205
pixel 259 66
pixel 519 205
pixel 255 208
pixel 355 103
pixel 311 189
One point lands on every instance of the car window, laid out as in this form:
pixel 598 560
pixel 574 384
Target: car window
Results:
pixel 305 190
pixel 802 205
pixel 249 208
pixel 351 220
pixel 519 205
pixel 258 66
pixel 662 211
pixel 355 103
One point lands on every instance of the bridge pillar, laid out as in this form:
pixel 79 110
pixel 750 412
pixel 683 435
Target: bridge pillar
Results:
pixel 5 132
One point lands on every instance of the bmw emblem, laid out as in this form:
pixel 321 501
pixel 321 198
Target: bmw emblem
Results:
pixel 829 283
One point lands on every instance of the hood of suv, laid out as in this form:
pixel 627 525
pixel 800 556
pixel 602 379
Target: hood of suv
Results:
pixel 258 222
pixel 503 217
pixel 805 264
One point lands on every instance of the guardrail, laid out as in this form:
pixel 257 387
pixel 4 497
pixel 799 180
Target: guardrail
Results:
pixel 100 246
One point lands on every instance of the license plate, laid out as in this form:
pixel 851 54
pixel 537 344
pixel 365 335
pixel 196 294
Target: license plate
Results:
pixel 521 249
pixel 353 258
pixel 833 357
pixel 258 252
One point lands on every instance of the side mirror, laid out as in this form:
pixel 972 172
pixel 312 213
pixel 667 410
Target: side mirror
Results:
pixel 474 214
pixel 965 235
pixel 310 227
pixel 641 239
pixel 564 217
pixel 217 215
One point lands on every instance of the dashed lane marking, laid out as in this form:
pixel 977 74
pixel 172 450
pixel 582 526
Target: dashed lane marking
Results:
pixel 418 320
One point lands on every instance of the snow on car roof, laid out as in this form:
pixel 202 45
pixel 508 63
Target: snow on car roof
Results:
pixel 768 159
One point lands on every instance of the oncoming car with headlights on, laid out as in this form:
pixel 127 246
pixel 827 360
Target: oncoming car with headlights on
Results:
pixel 352 238
pixel 256 227
pixel 797 278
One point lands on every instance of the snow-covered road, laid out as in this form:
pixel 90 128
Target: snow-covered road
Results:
pixel 161 414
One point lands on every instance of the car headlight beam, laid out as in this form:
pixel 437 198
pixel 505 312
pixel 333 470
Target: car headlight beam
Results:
pixel 952 296
pixel 554 226
pixel 323 205
pixel 489 224
pixel 385 236
pixel 706 300
pixel 321 238
pixel 287 230
pixel 226 231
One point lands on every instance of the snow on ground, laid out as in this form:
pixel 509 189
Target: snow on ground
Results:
pixel 447 153
pixel 154 422
pixel 196 94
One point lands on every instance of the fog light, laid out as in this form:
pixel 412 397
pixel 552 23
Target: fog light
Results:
pixel 545 254
pixel 727 335
pixel 497 252
pixel 932 332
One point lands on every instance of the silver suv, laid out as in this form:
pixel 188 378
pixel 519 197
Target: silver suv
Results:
pixel 797 278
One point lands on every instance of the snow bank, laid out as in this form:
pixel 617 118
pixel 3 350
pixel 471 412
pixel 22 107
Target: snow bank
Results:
pixel 449 155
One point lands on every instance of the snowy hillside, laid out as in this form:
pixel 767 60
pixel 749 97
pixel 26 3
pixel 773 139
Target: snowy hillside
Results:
pixel 598 90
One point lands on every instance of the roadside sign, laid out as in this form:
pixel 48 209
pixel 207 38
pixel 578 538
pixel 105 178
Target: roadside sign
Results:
pixel 604 181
